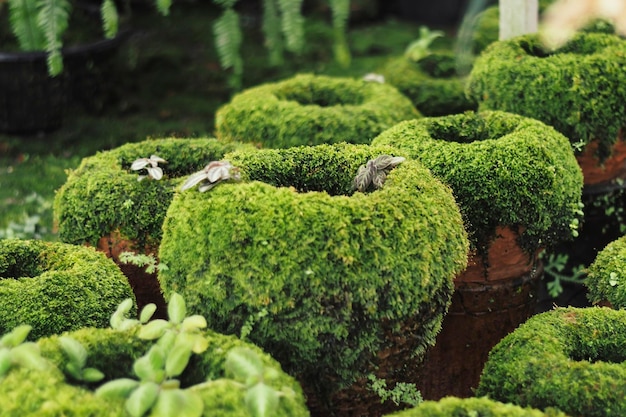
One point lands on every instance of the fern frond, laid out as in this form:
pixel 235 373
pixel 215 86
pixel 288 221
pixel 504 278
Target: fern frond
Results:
pixel 341 12
pixel 163 6
pixel 52 19
pixel 110 18
pixel 23 21
pixel 271 30
pixel 228 36
pixel 292 24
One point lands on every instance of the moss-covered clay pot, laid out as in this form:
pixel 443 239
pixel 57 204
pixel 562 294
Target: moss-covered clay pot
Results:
pixel 104 205
pixel 340 283
pixel 606 278
pixel 311 110
pixel 432 83
pixel 569 358
pixel 55 287
pixel 468 407
pixel 579 89
pixel 49 393
pixel 519 187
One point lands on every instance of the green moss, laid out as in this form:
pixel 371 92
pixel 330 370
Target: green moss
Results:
pixel 504 169
pixel 606 280
pixel 340 273
pixel 473 407
pixel 579 89
pixel 310 110
pixel 568 358
pixel 28 392
pixel 103 195
pixel 432 83
pixel 56 287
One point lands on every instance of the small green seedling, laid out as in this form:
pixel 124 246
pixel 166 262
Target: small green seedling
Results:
pixel 15 351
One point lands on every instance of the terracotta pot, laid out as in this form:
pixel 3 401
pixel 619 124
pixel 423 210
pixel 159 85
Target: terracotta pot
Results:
pixel 598 174
pixel 491 299
pixel 145 285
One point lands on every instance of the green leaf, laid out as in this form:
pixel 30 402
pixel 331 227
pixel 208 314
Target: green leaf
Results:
pixel 28 355
pixel 178 403
pixel 163 6
pixel 147 312
pixel 150 366
pixel 76 353
pixel 92 375
pixel 117 389
pixel 5 361
pixel 110 18
pixel 23 21
pixel 167 341
pixel 262 400
pixel 176 308
pixel 16 336
pixel 177 359
pixel 243 363
pixel 120 313
pixel 142 399
pixel 154 329
pixel 195 322
pixel 52 19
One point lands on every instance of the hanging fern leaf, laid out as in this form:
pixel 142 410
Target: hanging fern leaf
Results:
pixel 52 19
pixel 110 18
pixel 271 30
pixel 23 21
pixel 341 12
pixel 163 6
pixel 292 24
pixel 228 38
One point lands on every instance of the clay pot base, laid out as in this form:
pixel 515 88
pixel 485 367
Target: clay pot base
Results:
pixel 145 286
pixel 489 302
pixel 597 174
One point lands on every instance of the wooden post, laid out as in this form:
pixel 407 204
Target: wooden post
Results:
pixel 518 17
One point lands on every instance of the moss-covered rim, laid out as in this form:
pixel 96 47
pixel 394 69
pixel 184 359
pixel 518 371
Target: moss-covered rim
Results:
pixel 103 195
pixel 570 358
pixel 606 279
pixel 579 88
pixel 504 170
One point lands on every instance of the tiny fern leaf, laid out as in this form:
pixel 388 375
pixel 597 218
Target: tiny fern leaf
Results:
pixel 23 21
pixel 271 30
pixel 53 19
pixel 292 24
pixel 110 18
pixel 163 6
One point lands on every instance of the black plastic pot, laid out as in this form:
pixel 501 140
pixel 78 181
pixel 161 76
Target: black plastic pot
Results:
pixel 31 101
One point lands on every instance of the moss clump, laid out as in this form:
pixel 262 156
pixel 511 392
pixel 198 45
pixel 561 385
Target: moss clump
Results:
pixel 47 393
pixel 568 358
pixel 606 280
pixel 432 83
pixel 56 287
pixel 340 273
pixel 311 110
pixel 579 88
pixel 504 169
pixel 470 407
pixel 103 195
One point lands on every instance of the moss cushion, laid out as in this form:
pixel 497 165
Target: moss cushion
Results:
pixel 56 287
pixel 504 169
pixel 432 83
pixel 338 272
pixel 473 407
pixel 580 88
pixel 606 280
pixel 47 393
pixel 310 110
pixel 569 358
pixel 103 195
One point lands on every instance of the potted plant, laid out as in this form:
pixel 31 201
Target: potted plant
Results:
pixel 568 358
pixel 342 255
pixel 56 287
pixel 38 39
pixel 518 186
pixel 116 201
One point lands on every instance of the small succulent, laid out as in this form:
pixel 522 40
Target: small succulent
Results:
pixel 373 77
pixel 151 165
pixel 375 172
pixel 211 175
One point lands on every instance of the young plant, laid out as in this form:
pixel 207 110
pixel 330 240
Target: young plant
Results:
pixel 211 175
pixel 374 173
pixel 420 47
pixel 554 266
pixel 75 367
pixel 402 393
pixel 15 351
pixel 142 260
pixel 151 165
